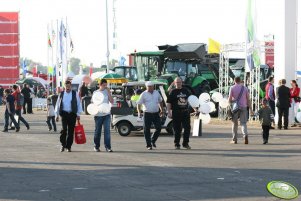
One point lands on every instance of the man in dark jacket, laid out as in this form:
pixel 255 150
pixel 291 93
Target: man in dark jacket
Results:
pixel 69 108
pixel 283 104
pixel 27 100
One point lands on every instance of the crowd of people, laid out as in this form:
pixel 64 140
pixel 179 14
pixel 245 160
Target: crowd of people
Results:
pixel 68 107
pixel 285 99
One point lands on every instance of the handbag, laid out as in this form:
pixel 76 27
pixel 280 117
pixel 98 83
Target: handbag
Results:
pixel 297 99
pixel 235 105
pixel 79 134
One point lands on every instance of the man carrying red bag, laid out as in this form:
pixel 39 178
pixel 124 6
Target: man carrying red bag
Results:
pixel 68 106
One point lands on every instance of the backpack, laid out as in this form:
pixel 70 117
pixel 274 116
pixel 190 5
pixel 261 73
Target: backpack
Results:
pixel 20 100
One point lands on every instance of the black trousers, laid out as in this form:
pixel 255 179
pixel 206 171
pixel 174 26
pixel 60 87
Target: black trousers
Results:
pixel 28 102
pixel 68 123
pixel 18 112
pixel 52 121
pixel 181 119
pixel 265 132
pixel 283 112
pixel 149 119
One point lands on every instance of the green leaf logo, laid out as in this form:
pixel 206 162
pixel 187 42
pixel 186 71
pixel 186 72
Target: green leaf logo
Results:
pixel 282 190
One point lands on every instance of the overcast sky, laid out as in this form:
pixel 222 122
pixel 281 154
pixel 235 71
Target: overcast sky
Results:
pixel 141 24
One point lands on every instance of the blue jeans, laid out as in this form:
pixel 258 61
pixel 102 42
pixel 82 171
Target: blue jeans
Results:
pixel 104 121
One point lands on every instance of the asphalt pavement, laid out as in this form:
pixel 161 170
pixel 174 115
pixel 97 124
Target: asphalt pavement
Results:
pixel 32 168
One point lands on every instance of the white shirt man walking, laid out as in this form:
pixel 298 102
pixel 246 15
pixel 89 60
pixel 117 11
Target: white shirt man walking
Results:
pixel 152 101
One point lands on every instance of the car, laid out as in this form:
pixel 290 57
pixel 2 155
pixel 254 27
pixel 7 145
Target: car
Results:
pixel 125 116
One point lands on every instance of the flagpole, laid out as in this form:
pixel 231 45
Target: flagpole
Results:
pixel 48 46
pixel 57 69
pixel 107 27
pixel 66 67
pixel 52 63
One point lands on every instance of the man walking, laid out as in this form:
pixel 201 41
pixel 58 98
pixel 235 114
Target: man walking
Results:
pixel 270 94
pixel 18 105
pixel 178 111
pixel 26 93
pixel 283 104
pixel 152 101
pixel 236 91
pixel 9 111
pixel 68 106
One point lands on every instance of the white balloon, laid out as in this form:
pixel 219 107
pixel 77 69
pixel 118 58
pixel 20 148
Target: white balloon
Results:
pixel 224 103
pixel 205 118
pixel 298 117
pixel 104 108
pixel 92 109
pixel 97 98
pixel 300 106
pixel 193 101
pixel 217 97
pixel 205 108
pixel 212 106
pixel 204 98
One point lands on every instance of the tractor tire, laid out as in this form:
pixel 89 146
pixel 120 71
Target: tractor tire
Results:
pixel 204 87
pixel 124 128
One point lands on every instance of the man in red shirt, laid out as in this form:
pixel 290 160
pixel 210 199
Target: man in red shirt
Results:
pixel 18 106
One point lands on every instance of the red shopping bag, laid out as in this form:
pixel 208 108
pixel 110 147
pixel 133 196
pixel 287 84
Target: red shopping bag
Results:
pixel 79 134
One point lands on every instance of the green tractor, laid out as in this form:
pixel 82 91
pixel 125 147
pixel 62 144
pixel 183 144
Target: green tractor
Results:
pixel 188 61
pixel 128 72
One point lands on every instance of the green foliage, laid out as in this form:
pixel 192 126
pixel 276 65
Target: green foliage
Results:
pixel 74 65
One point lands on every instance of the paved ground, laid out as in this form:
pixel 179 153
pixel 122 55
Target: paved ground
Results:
pixel 32 168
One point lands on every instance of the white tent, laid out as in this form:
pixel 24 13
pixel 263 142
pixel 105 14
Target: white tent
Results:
pixel 97 74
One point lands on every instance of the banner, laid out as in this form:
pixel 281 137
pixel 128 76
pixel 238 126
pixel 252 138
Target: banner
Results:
pixel 269 53
pixel 9 48
pixel 252 45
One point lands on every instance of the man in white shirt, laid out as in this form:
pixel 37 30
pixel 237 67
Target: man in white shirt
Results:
pixel 68 106
pixel 152 101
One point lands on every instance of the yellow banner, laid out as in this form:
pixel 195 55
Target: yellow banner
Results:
pixel 214 46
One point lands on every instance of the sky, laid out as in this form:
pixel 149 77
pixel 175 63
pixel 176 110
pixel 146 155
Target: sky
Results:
pixel 140 24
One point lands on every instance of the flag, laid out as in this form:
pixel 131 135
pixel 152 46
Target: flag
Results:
pixel 53 35
pixel 50 70
pixel 49 41
pixel 63 66
pixel 122 61
pixel 214 46
pixel 24 67
pixel 252 49
pixel 71 45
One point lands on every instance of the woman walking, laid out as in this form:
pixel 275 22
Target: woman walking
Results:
pixel 295 101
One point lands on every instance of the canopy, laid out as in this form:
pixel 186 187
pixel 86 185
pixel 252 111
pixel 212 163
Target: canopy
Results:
pixel 97 74
pixel 110 76
pixel 78 79
pixel 33 81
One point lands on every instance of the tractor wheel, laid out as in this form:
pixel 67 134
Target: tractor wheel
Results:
pixel 124 128
pixel 204 87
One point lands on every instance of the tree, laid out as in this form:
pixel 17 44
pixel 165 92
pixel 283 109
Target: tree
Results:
pixel 74 65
